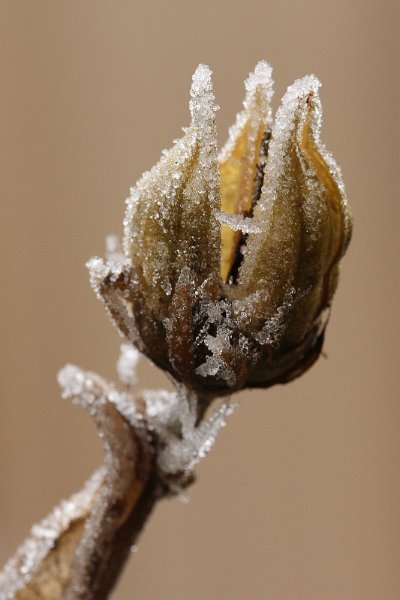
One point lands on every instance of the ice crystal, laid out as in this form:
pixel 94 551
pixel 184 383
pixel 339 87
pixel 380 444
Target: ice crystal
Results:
pixel 127 363
pixel 182 187
pixel 238 222
pixel 181 455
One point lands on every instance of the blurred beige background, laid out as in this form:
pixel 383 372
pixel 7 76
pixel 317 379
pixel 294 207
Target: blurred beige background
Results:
pixel 300 498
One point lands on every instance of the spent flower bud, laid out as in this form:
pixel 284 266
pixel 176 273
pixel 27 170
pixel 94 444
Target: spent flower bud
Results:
pixel 231 261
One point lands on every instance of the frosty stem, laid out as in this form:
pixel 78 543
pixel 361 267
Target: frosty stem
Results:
pixel 131 488
pixel 104 562
pixel 152 440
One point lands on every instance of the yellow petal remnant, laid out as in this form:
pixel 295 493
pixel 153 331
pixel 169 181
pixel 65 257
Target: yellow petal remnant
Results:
pixel 231 263
pixel 240 158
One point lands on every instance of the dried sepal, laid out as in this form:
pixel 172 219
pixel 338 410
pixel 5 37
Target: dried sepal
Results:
pixel 170 223
pixel 240 159
pixel 127 364
pixel 113 283
pixel 179 325
pixel 304 219
pixel 170 229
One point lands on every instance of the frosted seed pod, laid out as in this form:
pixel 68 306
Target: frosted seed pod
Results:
pixel 230 263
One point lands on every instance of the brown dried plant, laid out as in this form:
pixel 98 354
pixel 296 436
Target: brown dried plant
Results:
pixel 225 281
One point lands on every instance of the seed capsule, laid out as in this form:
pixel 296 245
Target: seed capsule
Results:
pixel 231 263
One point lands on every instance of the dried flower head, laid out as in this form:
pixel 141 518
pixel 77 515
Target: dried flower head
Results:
pixel 230 262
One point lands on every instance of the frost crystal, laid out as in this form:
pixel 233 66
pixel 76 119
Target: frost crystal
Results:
pixel 173 417
pixel 114 251
pixel 182 455
pixel 256 111
pixel 238 222
pixel 127 363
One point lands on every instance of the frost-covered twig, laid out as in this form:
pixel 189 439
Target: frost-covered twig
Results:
pixel 110 530
pixel 151 445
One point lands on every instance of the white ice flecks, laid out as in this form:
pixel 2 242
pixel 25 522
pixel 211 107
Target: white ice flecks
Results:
pixel 98 271
pixel 291 115
pixel 298 213
pixel 241 163
pixel 238 222
pixel 120 429
pixel 181 456
pixel 202 104
pixel 114 251
pixel 131 204
pixel 279 163
pixel 93 392
pixel 242 229
pixel 127 363
pixel 82 387
pixel 173 417
pixel 274 328
pixel 218 364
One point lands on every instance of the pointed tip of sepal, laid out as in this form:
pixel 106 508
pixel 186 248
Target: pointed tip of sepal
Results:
pixel 202 100
pixel 260 88
pixel 300 100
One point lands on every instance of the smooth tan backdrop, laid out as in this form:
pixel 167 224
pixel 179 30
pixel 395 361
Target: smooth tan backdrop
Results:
pixel 300 498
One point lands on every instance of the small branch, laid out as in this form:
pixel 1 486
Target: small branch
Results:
pixel 138 474
pixel 118 513
pixel 128 494
pixel 152 443
pixel 124 539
